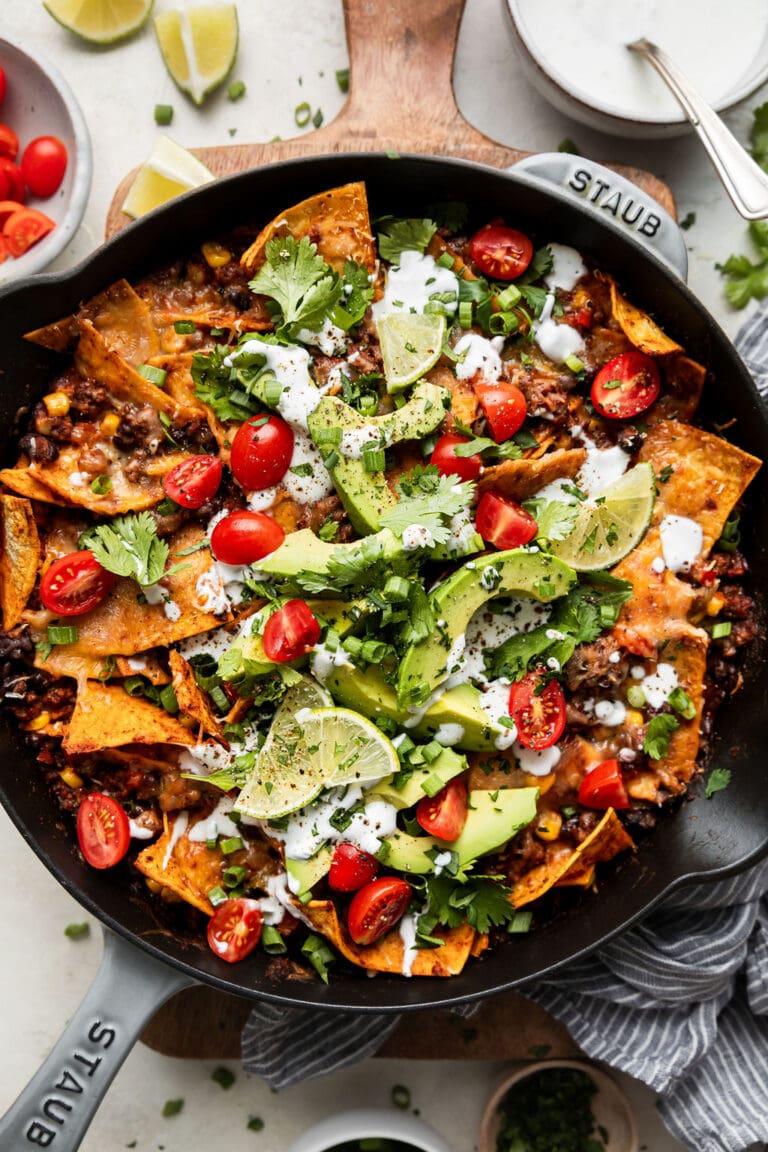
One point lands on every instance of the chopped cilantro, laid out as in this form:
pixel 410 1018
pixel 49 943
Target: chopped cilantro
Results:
pixel 429 500
pixel 567 145
pixel 356 295
pixel 688 221
pixel 719 778
pixel 342 79
pixel 555 518
pixel 129 546
pixel 482 901
pixel 255 1124
pixel 172 1107
pixel 224 1077
pixel 302 285
pixel 77 931
pixel 398 236
pixel 328 531
pixel 658 735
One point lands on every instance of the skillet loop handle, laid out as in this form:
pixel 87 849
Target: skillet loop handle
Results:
pixel 57 1106
pixel 612 198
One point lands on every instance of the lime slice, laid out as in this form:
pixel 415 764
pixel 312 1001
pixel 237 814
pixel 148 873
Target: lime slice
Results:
pixel 411 344
pixel 169 171
pixel 199 46
pixel 100 21
pixel 352 749
pixel 609 527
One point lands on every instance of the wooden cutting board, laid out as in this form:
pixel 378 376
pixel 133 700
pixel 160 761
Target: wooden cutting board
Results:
pixel 401 99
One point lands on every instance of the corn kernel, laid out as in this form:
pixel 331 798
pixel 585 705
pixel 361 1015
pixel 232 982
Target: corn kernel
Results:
pixel 634 717
pixel 543 783
pixel 41 721
pixel 110 424
pixel 216 255
pixel 57 403
pixel 715 604
pixel 548 825
pixel 71 778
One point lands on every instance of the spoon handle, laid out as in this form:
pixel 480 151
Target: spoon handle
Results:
pixel 744 181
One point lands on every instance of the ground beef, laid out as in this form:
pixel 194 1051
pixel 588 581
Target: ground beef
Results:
pixel 139 428
pixel 88 399
pixel 56 697
pixel 591 668
pixel 522 853
pixel 323 366
pixel 638 819
pixel 546 396
pixel 17 651
pixel 329 508
pixel 365 356
pixel 738 604
pixel 195 434
pixel 38 448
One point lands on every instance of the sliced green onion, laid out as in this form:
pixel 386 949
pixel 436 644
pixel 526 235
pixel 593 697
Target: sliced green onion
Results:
pixel 509 298
pixel 273 390
pixel 465 314
pixel 433 784
pixel 503 323
pixel 405 746
pixel 212 843
pixel 231 844
pixel 317 119
pixel 401 1097
pixel 134 685
pixel 325 436
pixel 319 955
pixel 77 931
pixel 445 260
pixel 636 696
pixel 435 308
pixel 271 941
pixel 416 757
pixel 521 921
pixel 236 90
pixel 62 634
pixel 680 701
pixel 217 895
pixel 219 697
pixel 342 79
pixel 574 364
pixel 331 460
pixel 431 751
pixel 367 405
pixel 101 484
pixel 154 375
pixel 184 327
pixel 302 114
pixel 353 645
pixel 168 699
pixel 373 651
pixel 396 590
pixel 400 399
pixel 719 630
pixel 374 459
pixel 233 876
pixel 163 114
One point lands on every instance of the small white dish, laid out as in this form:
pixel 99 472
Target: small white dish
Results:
pixel 610 1106
pixel 367 1122
pixel 39 102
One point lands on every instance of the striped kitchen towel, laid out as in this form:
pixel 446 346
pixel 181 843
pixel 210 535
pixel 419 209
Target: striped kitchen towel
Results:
pixel 680 1002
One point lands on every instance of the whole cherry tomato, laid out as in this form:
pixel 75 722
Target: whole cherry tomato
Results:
pixel 376 908
pixel 446 461
pixel 3 84
pixel 501 252
pixel 626 386
pixel 603 787
pixel 9 142
pixel 244 537
pixel 193 482
pixel 351 868
pixel 290 632
pixel 445 814
pixel 43 165
pixel 504 408
pixel 75 584
pixel 261 452
pixel 538 710
pixel 24 229
pixel 103 830
pixel 234 930
pixel 12 174
pixel 502 522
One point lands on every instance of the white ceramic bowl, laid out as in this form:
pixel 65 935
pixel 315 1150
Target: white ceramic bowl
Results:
pixel 554 88
pixel 363 1122
pixel 39 102
pixel 610 1106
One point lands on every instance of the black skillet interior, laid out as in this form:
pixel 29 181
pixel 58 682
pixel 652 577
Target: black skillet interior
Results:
pixel 705 838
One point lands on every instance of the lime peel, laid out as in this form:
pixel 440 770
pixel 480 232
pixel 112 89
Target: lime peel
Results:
pixel 604 533
pixel 199 46
pixel 100 21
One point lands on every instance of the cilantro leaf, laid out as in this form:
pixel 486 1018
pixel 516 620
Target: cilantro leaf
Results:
pixel 129 546
pixel 746 281
pixel 555 518
pixel 398 236
pixel 658 735
pixel 349 570
pixel 300 282
pixel 481 901
pixel 759 136
pixel 356 295
pixel 719 778
pixel 428 500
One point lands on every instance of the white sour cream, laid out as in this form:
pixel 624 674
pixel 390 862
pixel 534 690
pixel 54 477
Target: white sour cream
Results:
pixel 310 828
pixel 567 268
pixel 557 341
pixel 659 685
pixel 329 339
pixel 681 542
pixel 537 763
pixel 178 830
pixel 214 644
pixel 322 661
pixel 494 701
pixel 417 536
pixel 411 285
pixel 265 498
pixel 138 832
pixel 407 932
pixel 478 356
pixel 449 734
pixel 611 712
pixel 307 489
pixel 219 823
pixel 290 366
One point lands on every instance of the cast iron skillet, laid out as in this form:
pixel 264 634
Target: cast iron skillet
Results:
pixel 703 840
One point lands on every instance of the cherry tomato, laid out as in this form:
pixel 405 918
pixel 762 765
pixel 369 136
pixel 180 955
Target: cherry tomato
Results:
pixel 244 537
pixel 13 175
pixel 5 187
pixel 539 715
pixel 376 908
pixel 502 522
pixel 501 252
pixel 43 165
pixel 3 251
pixel 351 868
pixel 3 84
pixel 102 830
pixel 603 787
pixel 193 482
pixel 234 930
pixel 24 228
pixel 7 207
pixel 9 142
pixel 446 461
pixel 584 318
pixel 261 452
pixel 626 386
pixel 75 583
pixel 445 814
pixel 504 408
pixel 290 632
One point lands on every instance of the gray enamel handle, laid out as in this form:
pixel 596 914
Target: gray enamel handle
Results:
pixel 58 1104
pixel 612 199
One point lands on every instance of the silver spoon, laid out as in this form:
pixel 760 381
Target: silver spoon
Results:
pixel 744 180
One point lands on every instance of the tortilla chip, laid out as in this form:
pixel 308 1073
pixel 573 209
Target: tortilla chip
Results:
pixel 118 314
pixel 337 221
pixel 607 841
pixel 386 955
pixel 520 479
pixel 686 651
pixel 191 870
pixel 95 360
pixel 180 385
pixel 21 481
pixel 19 557
pixel 61 663
pixel 683 384
pixel 255 319
pixel 105 716
pixel 63 478
pixel 638 327
pixel 192 700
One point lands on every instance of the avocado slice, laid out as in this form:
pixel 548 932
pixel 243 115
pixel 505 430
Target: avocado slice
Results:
pixel 302 551
pixel 493 818
pixel 444 768
pixel 367 495
pixel 308 872
pixel 456 599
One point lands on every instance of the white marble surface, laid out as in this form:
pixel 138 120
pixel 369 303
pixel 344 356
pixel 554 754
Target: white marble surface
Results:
pixel 42 974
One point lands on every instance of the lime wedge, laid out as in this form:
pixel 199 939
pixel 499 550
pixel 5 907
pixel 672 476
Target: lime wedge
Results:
pixel 199 46
pixel 169 171
pixel 100 21
pixel 610 526
pixel 411 344
pixel 352 749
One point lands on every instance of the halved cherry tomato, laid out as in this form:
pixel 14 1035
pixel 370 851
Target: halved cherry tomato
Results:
pixel 43 165
pixel 377 908
pixel 501 252
pixel 234 930
pixel 351 868
pixel 7 207
pixel 603 787
pixel 446 461
pixel 75 583
pixel 3 84
pixel 25 228
pixel 261 452
pixel 194 481
pixel 538 710
pixel 9 142
pixel 12 172
pixel 3 250
pixel 244 537
pixel 626 385
pixel 504 408
pixel 5 186
pixel 445 814
pixel 103 830
pixel 290 632
pixel 502 522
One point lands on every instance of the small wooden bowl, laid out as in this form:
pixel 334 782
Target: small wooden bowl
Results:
pixel 610 1106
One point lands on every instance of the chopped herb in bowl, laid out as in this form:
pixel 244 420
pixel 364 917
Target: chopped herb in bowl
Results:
pixel 550 1111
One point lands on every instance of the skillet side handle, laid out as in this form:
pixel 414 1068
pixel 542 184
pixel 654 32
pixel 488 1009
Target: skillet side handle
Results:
pixel 57 1106
pixel 612 199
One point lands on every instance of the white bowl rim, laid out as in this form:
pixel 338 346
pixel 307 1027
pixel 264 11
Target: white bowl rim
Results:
pixel 358 1123
pixel 53 245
